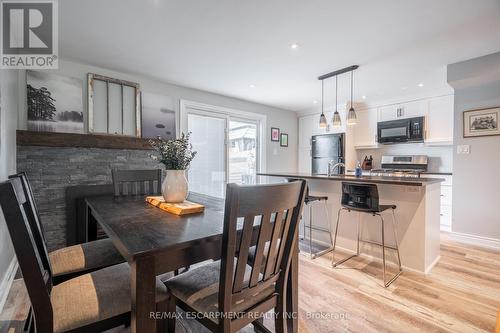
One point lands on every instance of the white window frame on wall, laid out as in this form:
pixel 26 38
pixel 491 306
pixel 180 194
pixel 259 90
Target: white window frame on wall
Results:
pixel 229 114
pixel 91 77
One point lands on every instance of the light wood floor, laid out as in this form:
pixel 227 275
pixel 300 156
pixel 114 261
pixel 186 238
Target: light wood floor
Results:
pixel 462 294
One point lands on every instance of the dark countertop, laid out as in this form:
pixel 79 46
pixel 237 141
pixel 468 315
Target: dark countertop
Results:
pixel 437 173
pixel 362 179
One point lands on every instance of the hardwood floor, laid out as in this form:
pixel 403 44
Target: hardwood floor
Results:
pixel 462 294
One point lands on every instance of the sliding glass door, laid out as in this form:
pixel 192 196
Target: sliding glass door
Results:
pixel 242 151
pixel 228 150
pixel 207 174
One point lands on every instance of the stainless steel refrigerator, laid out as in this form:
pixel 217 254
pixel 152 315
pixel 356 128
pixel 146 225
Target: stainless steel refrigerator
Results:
pixel 326 148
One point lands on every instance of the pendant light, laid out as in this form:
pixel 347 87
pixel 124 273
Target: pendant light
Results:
pixel 352 119
pixel 323 123
pixel 337 122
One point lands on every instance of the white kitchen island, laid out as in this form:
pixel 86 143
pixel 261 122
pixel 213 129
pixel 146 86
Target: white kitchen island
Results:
pixel 417 216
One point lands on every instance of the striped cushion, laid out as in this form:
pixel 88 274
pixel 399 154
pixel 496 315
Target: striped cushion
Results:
pixel 84 257
pixel 94 297
pixel 199 288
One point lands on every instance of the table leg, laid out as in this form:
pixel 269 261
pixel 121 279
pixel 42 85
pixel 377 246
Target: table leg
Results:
pixel 143 289
pixel 292 294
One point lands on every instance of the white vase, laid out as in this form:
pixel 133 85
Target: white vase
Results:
pixel 175 186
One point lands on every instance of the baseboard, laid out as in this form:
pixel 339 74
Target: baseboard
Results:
pixel 6 282
pixel 431 266
pixel 489 243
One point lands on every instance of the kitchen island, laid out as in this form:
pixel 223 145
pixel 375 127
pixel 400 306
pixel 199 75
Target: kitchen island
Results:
pixel 417 216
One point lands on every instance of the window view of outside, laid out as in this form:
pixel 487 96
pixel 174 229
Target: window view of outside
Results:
pixel 242 152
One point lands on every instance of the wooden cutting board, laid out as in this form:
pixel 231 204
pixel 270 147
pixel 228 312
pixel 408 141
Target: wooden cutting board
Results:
pixel 181 208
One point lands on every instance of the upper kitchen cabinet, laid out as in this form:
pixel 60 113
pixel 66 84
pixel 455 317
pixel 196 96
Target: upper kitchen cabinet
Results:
pixel 403 110
pixel 307 128
pixel 440 120
pixel 365 131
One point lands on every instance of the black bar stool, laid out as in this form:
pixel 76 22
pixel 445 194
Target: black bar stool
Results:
pixel 363 198
pixel 309 202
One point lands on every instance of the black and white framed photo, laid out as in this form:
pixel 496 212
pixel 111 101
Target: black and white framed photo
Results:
pixel 284 140
pixel 275 134
pixel 158 117
pixel 482 122
pixel 55 103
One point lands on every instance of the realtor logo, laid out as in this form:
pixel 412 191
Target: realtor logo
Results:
pixel 29 34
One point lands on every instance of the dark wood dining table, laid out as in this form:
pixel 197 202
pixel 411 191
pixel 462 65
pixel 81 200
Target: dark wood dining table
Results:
pixel 155 242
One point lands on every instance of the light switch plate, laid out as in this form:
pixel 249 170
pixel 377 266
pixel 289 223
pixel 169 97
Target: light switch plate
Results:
pixel 463 149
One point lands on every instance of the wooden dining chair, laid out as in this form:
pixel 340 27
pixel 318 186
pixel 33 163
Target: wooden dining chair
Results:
pixel 136 182
pixel 71 261
pixel 92 302
pixel 229 294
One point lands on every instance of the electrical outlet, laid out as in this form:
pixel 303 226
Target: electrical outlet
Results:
pixel 463 149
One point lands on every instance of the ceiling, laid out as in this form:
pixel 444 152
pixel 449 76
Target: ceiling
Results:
pixel 242 48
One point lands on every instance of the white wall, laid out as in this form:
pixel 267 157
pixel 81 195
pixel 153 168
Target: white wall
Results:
pixel 8 124
pixel 476 180
pixel 278 158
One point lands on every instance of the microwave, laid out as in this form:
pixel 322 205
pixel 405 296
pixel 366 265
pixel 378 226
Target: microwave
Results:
pixel 401 130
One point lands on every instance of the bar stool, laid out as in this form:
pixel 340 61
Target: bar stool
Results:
pixel 364 198
pixel 309 202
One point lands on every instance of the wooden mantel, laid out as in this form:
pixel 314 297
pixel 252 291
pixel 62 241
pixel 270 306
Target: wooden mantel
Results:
pixel 50 139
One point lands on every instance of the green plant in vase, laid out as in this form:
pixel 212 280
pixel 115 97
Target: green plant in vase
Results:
pixel 176 155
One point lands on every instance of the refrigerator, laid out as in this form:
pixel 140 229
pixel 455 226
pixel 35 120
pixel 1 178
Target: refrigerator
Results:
pixel 326 148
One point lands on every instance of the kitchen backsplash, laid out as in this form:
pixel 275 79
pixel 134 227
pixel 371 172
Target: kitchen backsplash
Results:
pixel 440 158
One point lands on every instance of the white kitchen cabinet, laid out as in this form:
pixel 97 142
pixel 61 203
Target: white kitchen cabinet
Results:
pixel 440 120
pixel 403 110
pixel 446 200
pixel 306 130
pixel 365 131
pixel 304 160
pixel 309 126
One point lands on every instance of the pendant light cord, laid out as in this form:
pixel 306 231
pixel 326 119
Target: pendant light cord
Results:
pixel 351 88
pixel 336 92
pixel 322 96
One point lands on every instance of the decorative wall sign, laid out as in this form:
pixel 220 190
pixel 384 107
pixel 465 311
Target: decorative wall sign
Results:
pixel 482 122
pixel 284 140
pixel 55 103
pixel 275 134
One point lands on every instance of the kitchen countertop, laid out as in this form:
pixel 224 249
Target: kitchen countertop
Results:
pixel 362 179
pixel 437 173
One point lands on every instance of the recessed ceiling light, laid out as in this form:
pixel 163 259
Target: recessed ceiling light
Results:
pixel 420 84
pixel 252 86
pixel 315 102
pixel 294 46
pixel 363 97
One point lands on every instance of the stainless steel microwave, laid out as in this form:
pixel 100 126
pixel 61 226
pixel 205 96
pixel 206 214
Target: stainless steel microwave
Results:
pixel 401 130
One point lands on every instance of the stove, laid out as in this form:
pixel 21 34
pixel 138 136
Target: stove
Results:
pixel 405 166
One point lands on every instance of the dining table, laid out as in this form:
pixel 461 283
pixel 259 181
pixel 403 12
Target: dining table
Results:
pixel 155 242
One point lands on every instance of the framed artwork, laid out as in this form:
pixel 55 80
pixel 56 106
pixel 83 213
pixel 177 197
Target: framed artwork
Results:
pixel 483 122
pixel 275 134
pixel 55 103
pixel 284 140
pixel 158 117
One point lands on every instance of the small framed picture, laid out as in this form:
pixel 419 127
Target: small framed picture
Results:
pixel 284 140
pixel 482 122
pixel 275 134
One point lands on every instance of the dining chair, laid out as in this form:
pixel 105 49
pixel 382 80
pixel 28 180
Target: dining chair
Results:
pixel 230 293
pixel 92 302
pixel 71 261
pixel 136 182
